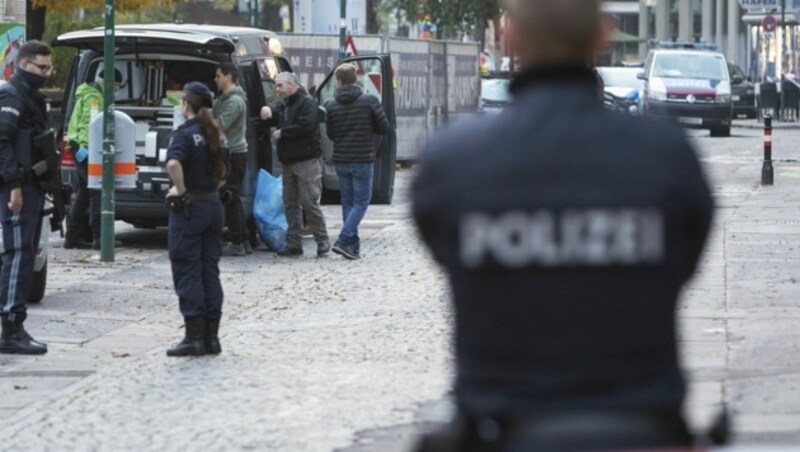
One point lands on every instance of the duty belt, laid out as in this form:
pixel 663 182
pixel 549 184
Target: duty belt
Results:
pixel 564 431
pixel 198 197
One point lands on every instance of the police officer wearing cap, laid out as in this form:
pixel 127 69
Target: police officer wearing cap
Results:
pixel 566 247
pixel 23 118
pixel 197 166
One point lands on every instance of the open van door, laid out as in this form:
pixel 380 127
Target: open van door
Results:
pixel 375 77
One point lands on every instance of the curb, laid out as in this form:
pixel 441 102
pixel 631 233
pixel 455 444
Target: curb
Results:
pixel 760 126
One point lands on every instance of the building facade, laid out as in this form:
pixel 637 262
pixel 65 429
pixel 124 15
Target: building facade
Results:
pixel 749 32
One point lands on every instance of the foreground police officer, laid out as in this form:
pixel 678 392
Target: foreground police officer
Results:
pixel 197 166
pixel 23 118
pixel 566 247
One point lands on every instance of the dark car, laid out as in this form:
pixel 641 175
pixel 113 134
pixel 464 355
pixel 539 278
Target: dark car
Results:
pixel 743 94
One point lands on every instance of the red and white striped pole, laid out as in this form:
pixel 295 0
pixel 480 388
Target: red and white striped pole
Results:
pixel 766 170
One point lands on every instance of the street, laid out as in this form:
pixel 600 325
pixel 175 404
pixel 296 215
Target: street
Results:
pixel 323 354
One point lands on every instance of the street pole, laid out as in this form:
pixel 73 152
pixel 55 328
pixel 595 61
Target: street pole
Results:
pixel 783 54
pixel 439 22
pixel 252 8
pixel 342 28
pixel 767 171
pixel 107 197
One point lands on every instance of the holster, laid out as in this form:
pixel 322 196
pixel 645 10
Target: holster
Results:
pixel 180 205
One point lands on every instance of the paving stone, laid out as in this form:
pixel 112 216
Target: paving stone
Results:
pixel 329 354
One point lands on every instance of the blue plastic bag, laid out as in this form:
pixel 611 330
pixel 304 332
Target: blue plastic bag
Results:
pixel 268 212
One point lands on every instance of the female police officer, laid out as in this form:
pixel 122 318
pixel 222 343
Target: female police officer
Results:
pixel 196 164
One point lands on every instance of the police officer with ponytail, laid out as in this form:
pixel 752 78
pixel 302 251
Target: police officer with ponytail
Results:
pixel 197 166
pixel 24 125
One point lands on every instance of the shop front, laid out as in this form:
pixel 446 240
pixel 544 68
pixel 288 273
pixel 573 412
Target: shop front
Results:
pixel 772 44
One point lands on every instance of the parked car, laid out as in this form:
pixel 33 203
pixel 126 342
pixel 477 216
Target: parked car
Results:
pixel 622 87
pixel 690 86
pixel 743 93
pixel 156 60
pixel 495 92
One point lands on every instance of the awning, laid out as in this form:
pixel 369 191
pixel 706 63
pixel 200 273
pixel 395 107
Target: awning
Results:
pixel 621 37
pixel 758 18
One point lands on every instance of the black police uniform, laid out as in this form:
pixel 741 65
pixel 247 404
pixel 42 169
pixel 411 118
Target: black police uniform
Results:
pixel 195 234
pixel 23 116
pixel 567 231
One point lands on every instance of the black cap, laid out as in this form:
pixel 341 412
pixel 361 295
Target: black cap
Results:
pixel 200 90
pixel 117 75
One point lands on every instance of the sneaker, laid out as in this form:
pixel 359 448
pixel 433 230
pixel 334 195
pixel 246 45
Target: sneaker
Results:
pixel 323 248
pixel 233 249
pixel 248 248
pixel 290 252
pixel 347 251
pixel 77 245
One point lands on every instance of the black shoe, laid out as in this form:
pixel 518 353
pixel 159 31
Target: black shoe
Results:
pixel 16 340
pixel 248 248
pixel 211 338
pixel 291 252
pixel 77 245
pixel 323 248
pixel 234 249
pixel 347 251
pixel 192 343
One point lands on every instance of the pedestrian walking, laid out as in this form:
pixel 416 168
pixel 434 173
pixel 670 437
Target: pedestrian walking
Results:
pixel 197 167
pixel 353 119
pixel 230 110
pixel 567 232
pixel 299 150
pixel 83 220
pixel 24 129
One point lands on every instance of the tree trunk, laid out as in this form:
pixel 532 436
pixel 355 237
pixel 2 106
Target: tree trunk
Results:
pixel 373 23
pixel 498 38
pixel 270 17
pixel 34 21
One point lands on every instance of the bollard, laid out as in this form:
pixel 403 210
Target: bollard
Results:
pixel 766 170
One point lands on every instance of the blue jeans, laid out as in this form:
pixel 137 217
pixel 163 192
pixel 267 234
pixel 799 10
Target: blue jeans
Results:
pixel 355 185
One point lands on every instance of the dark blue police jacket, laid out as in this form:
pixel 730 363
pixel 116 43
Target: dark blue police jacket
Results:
pixel 567 231
pixel 187 145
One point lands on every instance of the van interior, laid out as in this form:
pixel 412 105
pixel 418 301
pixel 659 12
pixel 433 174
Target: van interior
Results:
pixel 150 94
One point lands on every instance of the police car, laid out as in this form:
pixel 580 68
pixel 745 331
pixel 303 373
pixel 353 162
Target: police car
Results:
pixel 495 92
pixel 156 60
pixel 622 87
pixel 689 83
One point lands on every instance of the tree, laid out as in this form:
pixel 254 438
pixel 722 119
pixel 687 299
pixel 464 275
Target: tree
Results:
pixel 468 16
pixel 36 10
pixel 455 17
pixel 270 14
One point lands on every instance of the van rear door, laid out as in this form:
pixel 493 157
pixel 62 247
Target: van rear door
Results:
pixel 376 77
pixel 134 40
